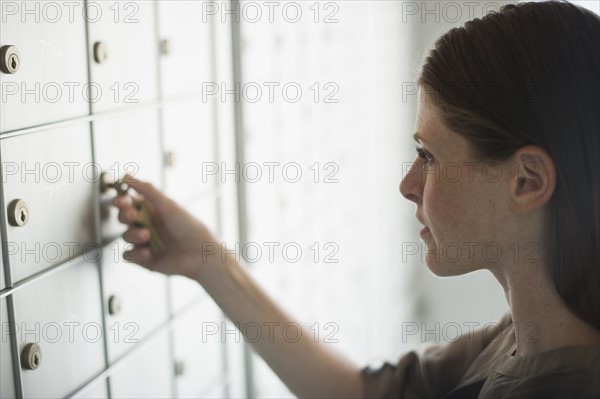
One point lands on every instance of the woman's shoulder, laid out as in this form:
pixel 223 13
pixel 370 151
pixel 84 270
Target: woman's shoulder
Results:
pixel 436 369
pixel 570 371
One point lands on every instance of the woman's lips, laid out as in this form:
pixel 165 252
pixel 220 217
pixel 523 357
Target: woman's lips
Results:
pixel 424 230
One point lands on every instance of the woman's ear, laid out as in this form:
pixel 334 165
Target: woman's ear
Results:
pixel 534 178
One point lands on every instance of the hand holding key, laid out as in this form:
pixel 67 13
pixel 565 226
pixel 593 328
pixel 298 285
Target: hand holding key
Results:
pixel 166 238
pixel 144 219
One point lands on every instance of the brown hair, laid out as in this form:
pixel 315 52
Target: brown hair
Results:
pixel 530 74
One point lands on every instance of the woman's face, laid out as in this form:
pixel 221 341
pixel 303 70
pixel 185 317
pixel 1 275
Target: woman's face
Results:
pixel 463 202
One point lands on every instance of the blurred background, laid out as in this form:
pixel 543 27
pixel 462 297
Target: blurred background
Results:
pixel 285 126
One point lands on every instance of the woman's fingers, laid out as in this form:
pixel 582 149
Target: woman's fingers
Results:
pixel 140 255
pixel 128 215
pixel 137 235
pixel 121 201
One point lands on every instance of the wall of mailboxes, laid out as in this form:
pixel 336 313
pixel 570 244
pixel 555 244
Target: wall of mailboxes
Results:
pixel 113 87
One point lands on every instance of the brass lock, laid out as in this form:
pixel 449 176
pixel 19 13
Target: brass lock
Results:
pixel 18 213
pixel 100 52
pixel 9 59
pixel 114 305
pixel 31 356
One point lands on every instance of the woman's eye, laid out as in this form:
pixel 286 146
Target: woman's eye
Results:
pixel 425 155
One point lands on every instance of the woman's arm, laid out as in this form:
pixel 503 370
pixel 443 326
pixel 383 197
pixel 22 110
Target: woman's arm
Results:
pixel 308 368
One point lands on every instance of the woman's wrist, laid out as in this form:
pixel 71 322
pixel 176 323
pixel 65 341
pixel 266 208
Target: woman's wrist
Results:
pixel 214 259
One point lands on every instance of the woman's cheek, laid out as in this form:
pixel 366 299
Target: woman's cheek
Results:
pixel 434 202
pixel 444 210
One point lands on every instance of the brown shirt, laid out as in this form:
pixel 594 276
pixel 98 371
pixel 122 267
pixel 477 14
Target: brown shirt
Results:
pixel 482 365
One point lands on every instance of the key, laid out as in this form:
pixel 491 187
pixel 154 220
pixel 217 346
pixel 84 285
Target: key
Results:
pixel 144 220
pixel 105 184
pixel 121 187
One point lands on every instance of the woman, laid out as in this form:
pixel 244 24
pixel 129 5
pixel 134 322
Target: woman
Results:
pixel 513 100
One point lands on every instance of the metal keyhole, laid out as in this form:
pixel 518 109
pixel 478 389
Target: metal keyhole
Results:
pixel 18 213
pixel 23 216
pixel 9 59
pixel 31 356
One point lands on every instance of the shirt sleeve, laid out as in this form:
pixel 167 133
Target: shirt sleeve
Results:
pixel 430 374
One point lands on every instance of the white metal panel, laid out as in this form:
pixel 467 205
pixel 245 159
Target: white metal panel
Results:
pixel 186 27
pixel 142 296
pixel 189 138
pixel 184 291
pixel 205 210
pixel 217 390
pixel 129 73
pixel 229 218
pixel 126 144
pixel 146 374
pixel 2 270
pixel 97 391
pixel 50 83
pixel 62 314
pixel 198 346
pixel 226 133
pixel 52 171
pixel 7 388
pixel 236 369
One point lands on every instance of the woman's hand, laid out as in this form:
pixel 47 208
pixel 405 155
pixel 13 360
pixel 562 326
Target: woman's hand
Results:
pixel 189 247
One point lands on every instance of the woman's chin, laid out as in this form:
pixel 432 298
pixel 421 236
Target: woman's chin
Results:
pixel 442 268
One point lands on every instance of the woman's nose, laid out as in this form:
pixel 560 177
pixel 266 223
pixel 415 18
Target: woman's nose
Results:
pixel 411 186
